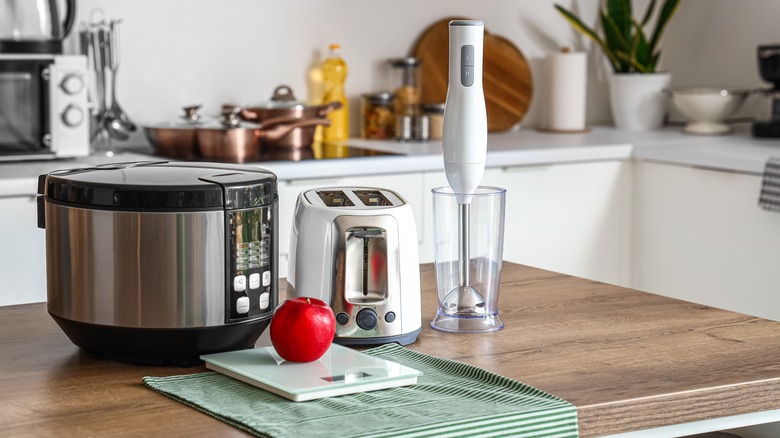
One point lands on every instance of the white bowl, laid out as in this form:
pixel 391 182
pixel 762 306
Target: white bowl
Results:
pixel 707 107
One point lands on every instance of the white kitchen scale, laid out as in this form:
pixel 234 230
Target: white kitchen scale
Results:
pixel 339 371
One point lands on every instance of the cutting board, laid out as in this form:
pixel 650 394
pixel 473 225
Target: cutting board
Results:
pixel 506 75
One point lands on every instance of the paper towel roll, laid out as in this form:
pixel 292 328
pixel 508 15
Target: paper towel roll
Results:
pixel 564 92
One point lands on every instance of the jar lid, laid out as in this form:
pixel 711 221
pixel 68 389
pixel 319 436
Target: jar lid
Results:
pixel 380 98
pixel 433 108
pixel 405 62
pixel 160 186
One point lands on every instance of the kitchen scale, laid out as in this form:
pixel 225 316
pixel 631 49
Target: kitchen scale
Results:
pixel 339 371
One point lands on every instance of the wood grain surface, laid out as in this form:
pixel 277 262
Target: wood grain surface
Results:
pixel 627 360
pixel 507 80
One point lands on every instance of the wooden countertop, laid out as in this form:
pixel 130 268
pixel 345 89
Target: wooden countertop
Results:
pixel 627 360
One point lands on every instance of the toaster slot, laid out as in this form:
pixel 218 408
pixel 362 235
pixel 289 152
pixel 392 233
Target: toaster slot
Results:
pixel 366 265
pixel 372 198
pixel 335 198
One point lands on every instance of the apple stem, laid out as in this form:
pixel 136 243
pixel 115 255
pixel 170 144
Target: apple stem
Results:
pixel 308 300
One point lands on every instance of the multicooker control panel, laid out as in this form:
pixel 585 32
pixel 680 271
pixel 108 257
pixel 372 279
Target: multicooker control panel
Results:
pixel 250 290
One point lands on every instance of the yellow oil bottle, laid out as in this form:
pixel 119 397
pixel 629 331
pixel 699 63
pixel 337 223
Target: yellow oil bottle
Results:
pixel 334 75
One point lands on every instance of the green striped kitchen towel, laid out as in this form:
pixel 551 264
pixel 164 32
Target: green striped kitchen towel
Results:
pixel 450 399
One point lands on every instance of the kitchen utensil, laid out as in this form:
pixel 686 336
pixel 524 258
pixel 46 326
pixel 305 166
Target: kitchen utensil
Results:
pixel 34 26
pixel 116 111
pixel 113 126
pixel 284 104
pixel 707 107
pixel 356 249
pixel 768 125
pixel 99 100
pixel 464 143
pixel 235 141
pixel 160 262
pixel 508 84
pixel 474 308
pixel 177 139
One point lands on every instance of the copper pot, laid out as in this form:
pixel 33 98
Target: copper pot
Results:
pixel 238 142
pixel 284 104
pixel 177 139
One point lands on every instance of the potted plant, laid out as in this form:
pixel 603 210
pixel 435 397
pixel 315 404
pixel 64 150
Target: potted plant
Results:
pixel 636 87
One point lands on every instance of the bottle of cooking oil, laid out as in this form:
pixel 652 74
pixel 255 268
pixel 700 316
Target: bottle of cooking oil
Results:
pixel 334 75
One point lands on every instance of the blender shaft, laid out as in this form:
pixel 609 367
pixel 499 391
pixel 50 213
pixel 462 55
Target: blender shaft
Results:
pixel 463 243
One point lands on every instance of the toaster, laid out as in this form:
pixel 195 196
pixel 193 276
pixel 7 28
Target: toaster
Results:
pixel 356 249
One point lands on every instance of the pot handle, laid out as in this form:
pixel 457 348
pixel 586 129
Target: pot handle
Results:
pixel 273 134
pixel 324 110
pixel 270 123
pixel 283 93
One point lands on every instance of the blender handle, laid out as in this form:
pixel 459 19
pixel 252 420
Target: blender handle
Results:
pixel 70 17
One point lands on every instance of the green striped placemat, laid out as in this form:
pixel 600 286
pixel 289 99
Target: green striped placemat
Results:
pixel 450 399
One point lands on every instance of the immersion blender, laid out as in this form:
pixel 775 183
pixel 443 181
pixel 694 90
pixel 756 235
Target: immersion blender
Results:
pixel 464 140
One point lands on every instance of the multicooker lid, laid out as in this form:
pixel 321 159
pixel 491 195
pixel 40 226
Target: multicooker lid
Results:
pixel 160 186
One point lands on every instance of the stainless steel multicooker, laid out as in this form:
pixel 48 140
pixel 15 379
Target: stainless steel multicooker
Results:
pixel 356 249
pixel 160 262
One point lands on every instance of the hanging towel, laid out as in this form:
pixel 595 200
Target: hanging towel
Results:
pixel 770 186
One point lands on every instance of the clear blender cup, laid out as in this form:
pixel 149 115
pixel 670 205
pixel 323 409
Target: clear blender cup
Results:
pixel 468 299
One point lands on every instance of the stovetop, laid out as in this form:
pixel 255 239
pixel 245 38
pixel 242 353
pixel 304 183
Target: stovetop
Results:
pixel 318 151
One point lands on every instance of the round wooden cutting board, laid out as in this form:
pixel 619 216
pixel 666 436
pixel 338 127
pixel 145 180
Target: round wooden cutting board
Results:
pixel 506 75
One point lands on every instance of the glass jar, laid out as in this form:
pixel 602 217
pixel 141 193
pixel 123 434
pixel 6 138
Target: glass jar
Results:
pixel 435 113
pixel 377 120
pixel 406 85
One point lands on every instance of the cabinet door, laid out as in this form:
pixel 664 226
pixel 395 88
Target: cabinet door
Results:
pixel 22 252
pixel 701 237
pixel 409 186
pixel 569 218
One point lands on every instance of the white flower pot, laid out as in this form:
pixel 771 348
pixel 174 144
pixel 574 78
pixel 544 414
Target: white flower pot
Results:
pixel 638 100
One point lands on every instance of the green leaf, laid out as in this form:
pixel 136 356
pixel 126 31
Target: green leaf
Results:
pixel 614 38
pixel 668 10
pixel 590 33
pixel 648 13
pixel 620 12
pixel 640 49
pixel 626 57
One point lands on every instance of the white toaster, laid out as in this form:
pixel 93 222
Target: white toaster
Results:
pixel 356 249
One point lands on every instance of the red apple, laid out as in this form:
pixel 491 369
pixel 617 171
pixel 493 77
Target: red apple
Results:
pixel 302 329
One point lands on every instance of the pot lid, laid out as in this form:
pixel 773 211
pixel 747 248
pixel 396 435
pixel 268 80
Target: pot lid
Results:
pixel 160 186
pixel 284 98
pixel 191 119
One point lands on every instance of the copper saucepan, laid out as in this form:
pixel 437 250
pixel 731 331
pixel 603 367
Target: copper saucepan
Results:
pixel 176 139
pixel 238 142
pixel 284 104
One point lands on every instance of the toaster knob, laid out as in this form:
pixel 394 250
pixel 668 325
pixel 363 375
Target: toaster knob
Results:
pixel 366 319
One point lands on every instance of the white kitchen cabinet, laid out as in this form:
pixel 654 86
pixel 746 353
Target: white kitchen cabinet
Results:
pixel 700 236
pixel 408 185
pixel 569 218
pixel 22 252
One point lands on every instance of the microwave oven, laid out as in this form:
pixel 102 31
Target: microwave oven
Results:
pixel 43 107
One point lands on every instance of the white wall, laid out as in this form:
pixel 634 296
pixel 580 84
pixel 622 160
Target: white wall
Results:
pixel 177 52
